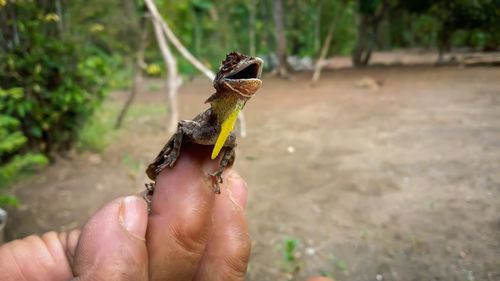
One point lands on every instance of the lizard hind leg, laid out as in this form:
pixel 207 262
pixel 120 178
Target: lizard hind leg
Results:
pixel 226 161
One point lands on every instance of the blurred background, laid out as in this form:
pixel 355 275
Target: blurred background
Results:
pixel 372 151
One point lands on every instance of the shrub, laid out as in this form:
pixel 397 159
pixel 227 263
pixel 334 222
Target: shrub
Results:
pixel 50 84
pixel 59 92
pixel 12 140
pixel 58 81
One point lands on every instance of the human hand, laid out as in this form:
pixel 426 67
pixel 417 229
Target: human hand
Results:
pixel 191 234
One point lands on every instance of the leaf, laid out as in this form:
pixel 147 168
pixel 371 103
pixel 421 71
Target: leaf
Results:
pixel 8 200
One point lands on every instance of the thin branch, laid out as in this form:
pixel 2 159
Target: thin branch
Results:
pixel 175 41
pixel 136 76
pixel 173 79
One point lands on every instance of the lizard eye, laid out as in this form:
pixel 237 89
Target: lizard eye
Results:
pixel 249 72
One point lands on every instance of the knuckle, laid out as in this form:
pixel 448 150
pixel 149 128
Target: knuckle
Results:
pixel 236 268
pixel 237 256
pixel 188 237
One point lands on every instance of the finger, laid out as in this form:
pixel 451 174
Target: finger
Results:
pixel 112 244
pixel 38 258
pixel 180 216
pixel 228 249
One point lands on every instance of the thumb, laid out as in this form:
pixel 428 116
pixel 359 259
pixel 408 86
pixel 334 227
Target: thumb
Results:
pixel 112 243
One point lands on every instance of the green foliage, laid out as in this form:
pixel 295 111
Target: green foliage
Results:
pixel 12 141
pixel 59 93
pixel 18 163
pixel 98 132
pixel 369 7
pixel 290 245
pixel 345 35
pixel 8 200
pixel 339 267
pixel 289 252
pixel 133 165
pixel 58 81
pixel 51 82
pixel 451 23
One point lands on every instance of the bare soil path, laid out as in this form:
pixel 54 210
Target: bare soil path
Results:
pixel 400 183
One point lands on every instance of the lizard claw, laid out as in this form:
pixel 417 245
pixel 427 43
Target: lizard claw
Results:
pixel 217 178
pixel 171 160
pixel 150 187
pixel 216 188
pixel 148 195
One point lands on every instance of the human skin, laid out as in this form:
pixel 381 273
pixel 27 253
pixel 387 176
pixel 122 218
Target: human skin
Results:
pixel 191 234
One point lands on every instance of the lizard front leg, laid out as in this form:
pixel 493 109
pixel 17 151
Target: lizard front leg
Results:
pixel 170 152
pixel 187 130
pixel 167 156
pixel 226 161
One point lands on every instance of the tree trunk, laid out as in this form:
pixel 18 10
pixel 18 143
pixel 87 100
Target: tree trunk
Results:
pixel 360 55
pixel 59 12
pixel 367 34
pixel 136 79
pixel 444 42
pixel 317 28
pixel 197 33
pixel 3 223
pixel 281 68
pixel 325 48
pixel 251 27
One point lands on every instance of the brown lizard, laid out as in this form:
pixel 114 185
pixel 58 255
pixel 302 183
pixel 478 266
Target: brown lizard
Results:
pixel 236 82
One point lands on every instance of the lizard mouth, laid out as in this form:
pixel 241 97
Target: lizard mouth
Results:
pixel 249 71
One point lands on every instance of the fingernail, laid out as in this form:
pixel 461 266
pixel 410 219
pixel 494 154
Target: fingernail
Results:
pixel 238 188
pixel 210 165
pixel 134 215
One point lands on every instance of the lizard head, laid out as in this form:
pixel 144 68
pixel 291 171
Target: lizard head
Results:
pixel 236 82
pixel 239 74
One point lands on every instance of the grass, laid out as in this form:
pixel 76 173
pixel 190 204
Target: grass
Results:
pixel 132 164
pixel 339 267
pixel 8 200
pixel 364 234
pixel 99 132
pixel 18 168
pixel 155 86
pixel 121 78
pixel 143 110
pixel 289 248
pixel 416 241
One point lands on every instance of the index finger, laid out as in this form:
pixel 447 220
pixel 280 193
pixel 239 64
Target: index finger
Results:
pixel 180 215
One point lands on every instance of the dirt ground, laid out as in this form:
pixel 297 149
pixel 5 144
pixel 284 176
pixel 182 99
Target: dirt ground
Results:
pixel 399 183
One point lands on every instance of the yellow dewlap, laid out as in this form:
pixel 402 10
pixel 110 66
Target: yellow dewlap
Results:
pixel 226 128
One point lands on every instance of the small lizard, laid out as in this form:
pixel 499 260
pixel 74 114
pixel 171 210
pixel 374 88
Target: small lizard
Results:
pixel 236 82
